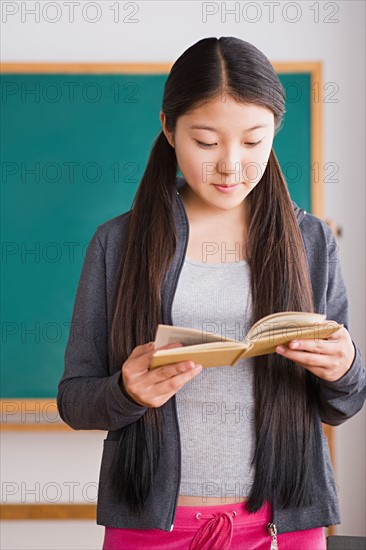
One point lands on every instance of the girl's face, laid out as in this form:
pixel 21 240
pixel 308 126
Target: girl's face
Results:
pixel 222 142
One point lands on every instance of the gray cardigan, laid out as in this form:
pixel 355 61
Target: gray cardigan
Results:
pixel 90 396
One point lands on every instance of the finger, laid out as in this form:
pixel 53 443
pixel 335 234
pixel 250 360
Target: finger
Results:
pixel 171 385
pixel 138 362
pixel 172 369
pixel 325 347
pixel 160 393
pixel 150 353
pixel 319 365
pixel 338 333
pixel 305 358
pixel 146 348
pixel 142 349
pixel 144 354
pixel 150 381
pixel 171 345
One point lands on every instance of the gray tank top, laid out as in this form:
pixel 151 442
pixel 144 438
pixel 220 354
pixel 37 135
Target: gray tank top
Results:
pixel 216 409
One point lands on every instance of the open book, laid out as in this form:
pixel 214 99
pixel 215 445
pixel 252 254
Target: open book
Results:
pixel 213 350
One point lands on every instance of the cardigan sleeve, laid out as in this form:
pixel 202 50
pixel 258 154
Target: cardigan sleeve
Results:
pixel 343 398
pixel 89 398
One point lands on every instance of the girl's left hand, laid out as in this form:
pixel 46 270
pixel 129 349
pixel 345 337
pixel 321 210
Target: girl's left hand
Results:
pixel 328 359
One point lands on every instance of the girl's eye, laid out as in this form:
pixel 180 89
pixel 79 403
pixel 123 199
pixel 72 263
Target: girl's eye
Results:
pixel 208 145
pixel 204 144
pixel 253 144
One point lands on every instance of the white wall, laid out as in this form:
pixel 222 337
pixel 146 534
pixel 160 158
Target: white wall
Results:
pixel 50 468
pixel 161 31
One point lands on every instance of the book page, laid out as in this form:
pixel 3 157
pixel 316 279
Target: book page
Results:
pixel 167 334
pixel 197 348
pixel 268 344
pixel 288 320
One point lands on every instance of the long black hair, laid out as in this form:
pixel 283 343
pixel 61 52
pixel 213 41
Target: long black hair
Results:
pixel 284 392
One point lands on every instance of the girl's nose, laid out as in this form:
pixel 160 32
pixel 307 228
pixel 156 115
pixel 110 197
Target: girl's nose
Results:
pixel 231 171
pixel 229 163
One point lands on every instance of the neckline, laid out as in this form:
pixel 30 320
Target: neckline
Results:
pixel 223 264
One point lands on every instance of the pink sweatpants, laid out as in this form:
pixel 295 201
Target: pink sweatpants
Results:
pixel 224 527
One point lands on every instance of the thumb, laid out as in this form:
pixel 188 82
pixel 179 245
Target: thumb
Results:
pixel 171 345
pixel 148 350
pixel 142 349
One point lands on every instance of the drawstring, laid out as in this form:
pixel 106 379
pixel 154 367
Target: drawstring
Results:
pixel 215 534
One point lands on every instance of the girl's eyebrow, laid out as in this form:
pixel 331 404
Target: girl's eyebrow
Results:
pixel 204 127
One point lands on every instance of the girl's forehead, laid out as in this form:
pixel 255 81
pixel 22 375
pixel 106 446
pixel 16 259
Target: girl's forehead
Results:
pixel 210 114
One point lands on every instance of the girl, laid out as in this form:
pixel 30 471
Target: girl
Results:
pixel 223 457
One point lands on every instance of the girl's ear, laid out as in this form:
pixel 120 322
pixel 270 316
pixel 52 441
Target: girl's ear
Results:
pixel 168 135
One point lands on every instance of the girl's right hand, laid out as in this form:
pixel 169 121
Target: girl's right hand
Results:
pixel 152 388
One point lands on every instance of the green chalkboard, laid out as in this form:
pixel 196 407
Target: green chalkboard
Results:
pixel 74 147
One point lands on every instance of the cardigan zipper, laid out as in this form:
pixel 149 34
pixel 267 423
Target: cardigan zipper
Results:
pixel 170 321
pixel 272 531
pixel 179 464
